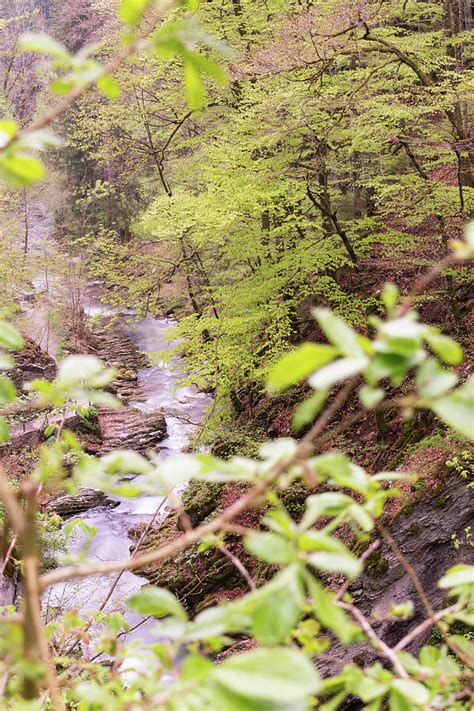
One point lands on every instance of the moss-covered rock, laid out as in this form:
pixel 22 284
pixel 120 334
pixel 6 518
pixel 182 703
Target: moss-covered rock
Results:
pixel 193 575
pixel 200 499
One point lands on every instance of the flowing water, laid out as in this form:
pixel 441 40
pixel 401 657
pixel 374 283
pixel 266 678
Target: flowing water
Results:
pixel 183 408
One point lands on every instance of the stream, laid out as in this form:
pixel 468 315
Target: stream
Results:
pixel 183 408
pixel 161 393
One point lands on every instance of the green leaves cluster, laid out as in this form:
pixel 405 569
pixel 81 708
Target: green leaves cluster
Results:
pixel 397 351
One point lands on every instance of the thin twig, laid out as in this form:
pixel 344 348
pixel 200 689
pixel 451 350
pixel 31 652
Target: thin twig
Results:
pixel 424 599
pixel 110 68
pixel 419 629
pixel 378 643
pixel 421 283
pixel 345 587
pixel 303 450
pixel 117 579
pixel 239 565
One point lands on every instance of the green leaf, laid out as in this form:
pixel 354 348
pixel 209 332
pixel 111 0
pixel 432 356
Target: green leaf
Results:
pixel 93 694
pixel 412 691
pixel 21 170
pixel 8 130
pixel 344 563
pixel 469 234
pixel 281 676
pixel 41 43
pixel 10 337
pixel 131 11
pixel 390 296
pixel 269 547
pixel 457 575
pixel 457 409
pixel 7 391
pixel 196 668
pixel 308 409
pixel 125 461
pixel 342 471
pixel 157 602
pixel 445 347
pixel 370 397
pixel 195 91
pixel 298 365
pixel 329 614
pixel 398 702
pixel 83 370
pixel 335 703
pixel 192 5
pixel 330 503
pixel 99 397
pixel 6 361
pixel 41 139
pixel 339 333
pixel 109 87
pixel 216 621
pixel 4 430
pixel 360 515
pixel 206 66
pixel 63 85
pixel 275 608
pixel 432 380
pixel 339 370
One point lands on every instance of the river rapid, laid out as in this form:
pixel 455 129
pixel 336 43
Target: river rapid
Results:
pixel 184 409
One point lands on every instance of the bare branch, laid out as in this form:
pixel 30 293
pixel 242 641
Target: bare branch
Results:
pixel 378 643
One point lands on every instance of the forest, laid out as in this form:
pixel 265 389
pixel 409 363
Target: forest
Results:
pixel 236 390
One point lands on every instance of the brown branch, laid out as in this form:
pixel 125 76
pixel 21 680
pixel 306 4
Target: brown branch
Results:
pixel 303 450
pixel 419 629
pixel 469 661
pixel 378 643
pixel 239 565
pixel 127 51
pixel 345 587
pixel 35 640
pixel 421 283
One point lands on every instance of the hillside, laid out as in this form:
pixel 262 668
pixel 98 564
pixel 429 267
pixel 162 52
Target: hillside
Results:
pixel 236 398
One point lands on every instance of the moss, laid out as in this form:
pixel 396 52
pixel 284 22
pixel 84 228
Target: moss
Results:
pixel 376 565
pixel 294 499
pixel 200 499
pixel 192 575
pixel 414 530
pixel 458 628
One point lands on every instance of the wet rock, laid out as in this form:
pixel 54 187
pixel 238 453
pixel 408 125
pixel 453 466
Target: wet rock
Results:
pixel 191 575
pixel 131 428
pixel 84 500
pixel 31 432
pixel 110 343
pixel 424 533
pixel 196 577
pixel 200 499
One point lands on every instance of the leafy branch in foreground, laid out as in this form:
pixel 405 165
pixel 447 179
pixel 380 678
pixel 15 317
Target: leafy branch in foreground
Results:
pixel 281 673
pixel 78 73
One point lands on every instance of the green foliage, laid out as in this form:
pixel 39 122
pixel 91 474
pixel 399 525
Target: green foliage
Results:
pixel 276 676
pixel 247 222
